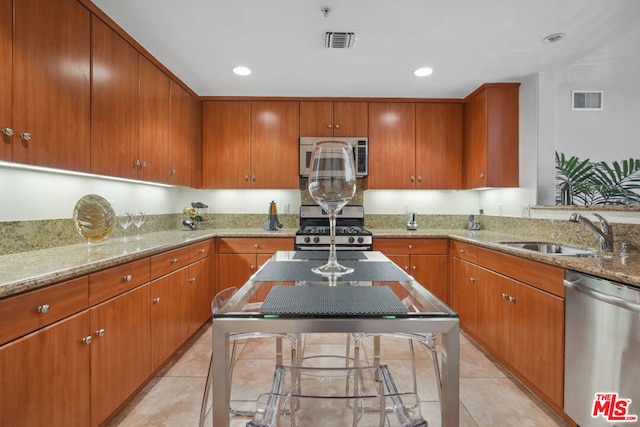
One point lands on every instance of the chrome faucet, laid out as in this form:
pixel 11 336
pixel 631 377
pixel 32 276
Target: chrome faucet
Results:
pixel 604 233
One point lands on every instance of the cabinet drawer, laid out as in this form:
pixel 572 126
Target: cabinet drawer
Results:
pixel 114 281
pixel 464 251
pixel 259 245
pixel 416 246
pixel 167 262
pixel 542 276
pixel 22 314
pixel 199 251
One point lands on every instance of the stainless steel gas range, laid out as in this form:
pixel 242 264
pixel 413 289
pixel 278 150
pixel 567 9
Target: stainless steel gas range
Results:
pixel 314 233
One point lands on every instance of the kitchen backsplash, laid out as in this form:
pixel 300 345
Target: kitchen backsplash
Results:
pixel 23 236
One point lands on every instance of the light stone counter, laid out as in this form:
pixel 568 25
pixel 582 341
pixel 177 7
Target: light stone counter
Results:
pixel 26 271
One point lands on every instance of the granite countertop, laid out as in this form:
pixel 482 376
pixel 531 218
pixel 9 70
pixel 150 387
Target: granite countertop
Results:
pixel 31 270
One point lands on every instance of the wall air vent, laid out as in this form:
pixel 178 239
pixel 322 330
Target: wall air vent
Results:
pixel 339 39
pixel 587 100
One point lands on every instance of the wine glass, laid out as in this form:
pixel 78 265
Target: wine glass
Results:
pixel 138 220
pixel 125 219
pixel 332 184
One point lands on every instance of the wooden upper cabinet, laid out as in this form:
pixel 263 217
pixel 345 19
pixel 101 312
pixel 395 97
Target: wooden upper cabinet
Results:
pixel 226 144
pixel 153 142
pixel 438 146
pixel 490 150
pixel 114 104
pixel 274 144
pixel 182 135
pixel 6 47
pixel 392 132
pixel 51 83
pixel 326 118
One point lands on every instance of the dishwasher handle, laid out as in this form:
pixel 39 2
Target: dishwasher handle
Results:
pixel 619 302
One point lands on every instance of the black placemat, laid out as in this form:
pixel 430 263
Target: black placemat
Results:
pixel 332 300
pixel 323 255
pixel 293 271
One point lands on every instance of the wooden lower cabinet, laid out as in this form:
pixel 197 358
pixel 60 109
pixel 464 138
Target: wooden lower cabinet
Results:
pixel 202 289
pixel 464 292
pixel 425 260
pixel 240 257
pixel 120 361
pixel 45 376
pixel 169 315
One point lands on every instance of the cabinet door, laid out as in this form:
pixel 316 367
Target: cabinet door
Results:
pixel 6 47
pixel 464 292
pixel 402 261
pixel 316 118
pixel 169 315
pixel 182 135
pixel 226 144
pixel 201 293
pixel 431 272
pixel 438 146
pixel 235 269
pixel 153 143
pixel 475 136
pixel 114 103
pixel 537 339
pixel 51 86
pixel 350 119
pixel 391 145
pixel 274 144
pixel 494 312
pixel 120 351
pixel 45 376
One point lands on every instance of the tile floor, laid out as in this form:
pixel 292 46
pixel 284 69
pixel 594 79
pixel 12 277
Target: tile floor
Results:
pixel 488 396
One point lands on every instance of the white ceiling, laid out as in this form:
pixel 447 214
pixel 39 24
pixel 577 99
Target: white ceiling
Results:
pixel 466 42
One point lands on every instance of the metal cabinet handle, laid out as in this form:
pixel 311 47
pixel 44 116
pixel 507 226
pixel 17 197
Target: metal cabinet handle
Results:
pixel 144 164
pixel 136 162
pixel 329 126
pixel 512 299
pixel 44 308
pixel 462 251
pixel 156 300
pixel 253 177
pixel 201 251
pixel 410 246
pixel 481 174
pixel 251 267
pixel 100 332
pixel 337 126
pixel 472 279
pixel 172 172
pixel 26 136
pixel 256 245
pixel 413 178
pixel 414 268
pixel 87 340
pixel 7 131
pixel 420 178
pixel 174 260
pixel 504 296
pixel 246 177
pixel 192 280
pixel 406 268
pixel 127 278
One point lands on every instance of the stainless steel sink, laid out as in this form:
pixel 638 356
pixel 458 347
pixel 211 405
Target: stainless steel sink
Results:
pixel 550 248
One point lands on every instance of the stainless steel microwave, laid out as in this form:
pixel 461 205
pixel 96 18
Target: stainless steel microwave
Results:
pixel 360 153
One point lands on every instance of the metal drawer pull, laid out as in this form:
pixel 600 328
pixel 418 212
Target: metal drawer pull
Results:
pixel 201 251
pixel 87 340
pixel 174 260
pixel 192 280
pixel 100 332
pixel 127 278
pixel 26 136
pixel 256 245
pixel 505 296
pixel 44 308
pixel 156 300
pixel 462 251
pixel 512 299
pixel 7 131
pixel 472 279
pixel 414 268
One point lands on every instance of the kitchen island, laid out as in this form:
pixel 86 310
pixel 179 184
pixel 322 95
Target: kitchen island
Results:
pixel 287 272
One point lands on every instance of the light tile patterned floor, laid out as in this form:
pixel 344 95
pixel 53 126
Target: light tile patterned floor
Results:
pixel 488 396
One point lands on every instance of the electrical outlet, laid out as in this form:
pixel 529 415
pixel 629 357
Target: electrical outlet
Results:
pixel 526 210
pixel 285 208
pixel 500 209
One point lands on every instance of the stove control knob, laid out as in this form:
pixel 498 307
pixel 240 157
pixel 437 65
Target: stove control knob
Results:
pixel 360 239
pixel 316 239
pixel 351 239
pixel 307 239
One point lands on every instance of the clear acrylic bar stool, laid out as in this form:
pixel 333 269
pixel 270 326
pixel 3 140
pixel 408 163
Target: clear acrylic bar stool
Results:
pixel 218 301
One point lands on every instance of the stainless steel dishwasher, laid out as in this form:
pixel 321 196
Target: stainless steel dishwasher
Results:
pixel 602 351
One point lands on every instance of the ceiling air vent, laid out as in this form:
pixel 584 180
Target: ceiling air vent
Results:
pixel 587 100
pixel 339 39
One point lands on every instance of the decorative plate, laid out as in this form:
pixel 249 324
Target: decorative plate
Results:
pixel 94 218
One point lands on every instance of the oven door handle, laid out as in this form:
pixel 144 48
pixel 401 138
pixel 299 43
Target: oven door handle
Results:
pixel 619 302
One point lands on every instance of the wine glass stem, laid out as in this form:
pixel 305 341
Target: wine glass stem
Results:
pixel 333 259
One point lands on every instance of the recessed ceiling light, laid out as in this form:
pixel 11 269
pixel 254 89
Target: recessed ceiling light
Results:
pixel 241 70
pixel 552 38
pixel 423 72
